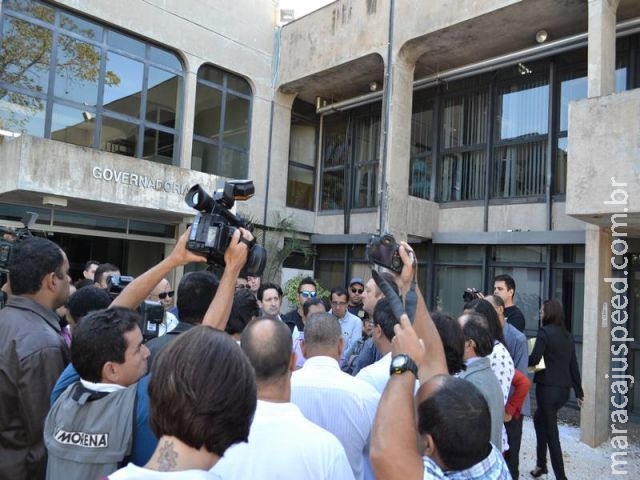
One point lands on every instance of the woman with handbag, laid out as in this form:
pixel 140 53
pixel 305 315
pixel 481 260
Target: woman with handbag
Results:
pixel 556 345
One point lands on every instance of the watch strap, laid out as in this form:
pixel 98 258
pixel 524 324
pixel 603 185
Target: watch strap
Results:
pixel 406 365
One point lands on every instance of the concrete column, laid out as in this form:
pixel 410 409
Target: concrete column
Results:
pixel 395 191
pixel 602 47
pixel 594 417
pixel 188 111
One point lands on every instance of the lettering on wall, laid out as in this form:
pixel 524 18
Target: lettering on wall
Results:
pixel 140 181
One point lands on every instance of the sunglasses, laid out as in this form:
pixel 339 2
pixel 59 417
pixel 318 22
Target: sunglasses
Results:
pixel 357 290
pixel 240 287
pixel 164 295
pixel 308 294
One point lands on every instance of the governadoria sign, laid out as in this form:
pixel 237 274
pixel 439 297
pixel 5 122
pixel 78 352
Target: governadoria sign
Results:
pixel 140 181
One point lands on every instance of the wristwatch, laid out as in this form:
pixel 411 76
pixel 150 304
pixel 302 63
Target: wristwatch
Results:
pixel 402 363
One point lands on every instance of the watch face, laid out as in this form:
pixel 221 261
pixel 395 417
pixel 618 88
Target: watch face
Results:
pixel 398 361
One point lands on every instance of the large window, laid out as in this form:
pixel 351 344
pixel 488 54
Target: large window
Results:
pixel 350 159
pixel 221 123
pixel 302 156
pixel 71 79
pixel 510 116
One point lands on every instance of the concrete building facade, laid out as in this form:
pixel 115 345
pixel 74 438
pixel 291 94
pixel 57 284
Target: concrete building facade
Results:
pixel 496 136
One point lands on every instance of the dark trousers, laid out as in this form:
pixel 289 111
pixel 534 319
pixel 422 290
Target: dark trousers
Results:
pixel 512 456
pixel 550 399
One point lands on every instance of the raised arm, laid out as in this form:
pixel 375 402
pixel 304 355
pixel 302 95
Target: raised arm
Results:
pixel 140 288
pixel 235 257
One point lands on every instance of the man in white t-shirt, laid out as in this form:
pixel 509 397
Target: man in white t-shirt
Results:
pixel 282 442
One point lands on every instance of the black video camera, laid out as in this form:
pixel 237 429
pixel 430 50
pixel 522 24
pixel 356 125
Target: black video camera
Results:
pixel 151 313
pixel 6 246
pixel 214 225
pixel 384 251
pixel 470 294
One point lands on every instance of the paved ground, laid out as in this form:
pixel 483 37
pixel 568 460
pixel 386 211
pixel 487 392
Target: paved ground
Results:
pixel 581 461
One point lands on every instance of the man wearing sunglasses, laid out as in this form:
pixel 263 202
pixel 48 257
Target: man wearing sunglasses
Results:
pixel 356 288
pixel 162 293
pixel 306 289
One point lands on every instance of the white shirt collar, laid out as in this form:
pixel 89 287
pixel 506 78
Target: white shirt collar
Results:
pixel 101 387
pixel 322 361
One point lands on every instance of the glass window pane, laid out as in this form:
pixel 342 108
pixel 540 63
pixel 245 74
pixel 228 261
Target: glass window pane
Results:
pixel 238 84
pixel 520 170
pixel 459 253
pixel 420 176
pixel 204 157
pixel 138 227
pixel 451 283
pixel 464 119
pixel 164 57
pixel 118 136
pixel 162 97
pixel 77 71
pixel 519 254
pixel 300 187
pixel 25 55
pixel 211 74
pixel 20 114
pixel 336 145
pixel 569 254
pixel 236 122
pixel 302 144
pixel 233 163
pixel 568 289
pixel 80 26
pixel 573 87
pixel 523 108
pixel 126 43
pixel 16 213
pixel 208 110
pixel 123 84
pixel 422 126
pixel 72 125
pixel 31 8
pixel 529 293
pixel 333 190
pixel 366 186
pixel 158 146
pixel 72 219
pixel 462 176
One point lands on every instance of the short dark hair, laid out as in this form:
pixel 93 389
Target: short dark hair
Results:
pixel 308 281
pixel 195 293
pixel 508 281
pixel 84 282
pixel 339 291
pixel 485 308
pixel 322 329
pixel 99 338
pixel 243 311
pixel 313 301
pixel 269 354
pixel 452 339
pixel 32 259
pixel 457 417
pixel 102 269
pixel 202 391
pixel 87 299
pixel 476 328
pixel 268 286
pixel 88 264
pixel 383 316
pixel 553 313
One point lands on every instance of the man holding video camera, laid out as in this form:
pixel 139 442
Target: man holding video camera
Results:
pixel 32 353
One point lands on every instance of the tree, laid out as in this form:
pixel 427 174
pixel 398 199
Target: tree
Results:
pixel 26 57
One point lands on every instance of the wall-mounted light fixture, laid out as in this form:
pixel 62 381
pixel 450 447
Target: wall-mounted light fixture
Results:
pixel 542 36
pixel 373 86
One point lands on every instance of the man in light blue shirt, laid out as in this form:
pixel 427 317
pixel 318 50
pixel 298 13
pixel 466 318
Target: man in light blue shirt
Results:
pixel 350 325
pixel 332 399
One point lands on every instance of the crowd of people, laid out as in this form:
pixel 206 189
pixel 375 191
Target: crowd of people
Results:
pixel 344 387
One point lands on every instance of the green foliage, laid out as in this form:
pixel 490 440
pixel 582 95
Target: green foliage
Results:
pixel 290 289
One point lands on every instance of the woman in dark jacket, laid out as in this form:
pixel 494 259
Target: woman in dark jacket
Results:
pixel 555 344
